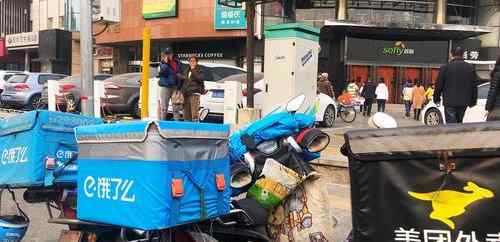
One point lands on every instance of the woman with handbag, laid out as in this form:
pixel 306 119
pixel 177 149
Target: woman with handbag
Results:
pixel 192 88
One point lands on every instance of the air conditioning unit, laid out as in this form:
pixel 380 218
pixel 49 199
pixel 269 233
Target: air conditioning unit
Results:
pixel 107 10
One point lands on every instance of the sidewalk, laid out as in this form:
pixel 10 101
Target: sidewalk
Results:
pixel 332 156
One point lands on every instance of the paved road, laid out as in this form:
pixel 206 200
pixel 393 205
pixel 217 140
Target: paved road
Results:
pixel 336 182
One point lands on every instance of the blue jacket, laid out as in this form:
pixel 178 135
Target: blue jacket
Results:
pixel 168 77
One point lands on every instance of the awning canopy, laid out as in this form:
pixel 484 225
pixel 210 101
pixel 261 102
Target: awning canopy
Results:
pixel 402 32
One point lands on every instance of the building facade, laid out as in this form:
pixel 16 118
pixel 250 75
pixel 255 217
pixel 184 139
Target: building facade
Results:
pixel 200 27
pixel 14 18
pixel 400 40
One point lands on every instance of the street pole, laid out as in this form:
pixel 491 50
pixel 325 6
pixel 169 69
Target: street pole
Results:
pixel 87 72
pixel 146 47
pixel 250 12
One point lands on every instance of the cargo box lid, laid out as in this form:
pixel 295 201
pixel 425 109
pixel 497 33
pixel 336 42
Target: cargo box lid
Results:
pixel 137 131
pixel 48 120
pixel 401 143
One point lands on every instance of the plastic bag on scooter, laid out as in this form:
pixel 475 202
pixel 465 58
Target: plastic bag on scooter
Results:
pixel 152 175
pixel 29 140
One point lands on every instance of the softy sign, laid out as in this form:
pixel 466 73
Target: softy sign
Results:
pixel 398 49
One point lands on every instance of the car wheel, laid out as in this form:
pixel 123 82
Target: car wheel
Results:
pixel 329 117
pixel 35 102
pixel 433 117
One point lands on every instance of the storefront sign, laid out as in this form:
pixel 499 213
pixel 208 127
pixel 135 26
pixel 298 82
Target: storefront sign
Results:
pixel 152 9
pixel 396 52
pixel 22 39
pixel 222 49
pixel 103 52
pixel 2 48
pixel 202 55
pixel 229 18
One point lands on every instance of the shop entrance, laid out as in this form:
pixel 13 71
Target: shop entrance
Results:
pixel 359 73
pixel 389 75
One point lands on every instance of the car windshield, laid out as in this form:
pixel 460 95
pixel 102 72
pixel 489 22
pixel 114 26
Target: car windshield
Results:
pixel 18 79
pixel 7 76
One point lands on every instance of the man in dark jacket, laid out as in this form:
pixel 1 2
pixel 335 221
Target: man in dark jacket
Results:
pixel 369 94
pixel 169 70
pixel 457 83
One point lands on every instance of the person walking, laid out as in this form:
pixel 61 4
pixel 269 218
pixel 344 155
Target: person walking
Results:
pixel 493 102
pixel 407 98
pixel 193 87
pixel 382 94
pixel 169 83
pixel 418 99
pixel 457 83
pixel 369 94
pixel 325 86
pixel 429 93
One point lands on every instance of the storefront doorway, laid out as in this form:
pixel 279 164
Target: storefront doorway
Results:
pixel 389 75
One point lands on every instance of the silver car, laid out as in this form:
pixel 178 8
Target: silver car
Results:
pixel 25 90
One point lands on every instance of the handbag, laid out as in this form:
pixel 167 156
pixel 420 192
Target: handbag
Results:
pixel 177 97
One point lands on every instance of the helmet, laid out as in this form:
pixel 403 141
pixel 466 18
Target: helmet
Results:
pixel 13 227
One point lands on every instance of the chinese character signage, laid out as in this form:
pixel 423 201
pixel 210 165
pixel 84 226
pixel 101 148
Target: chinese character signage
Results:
pixel 152 9
pixel 229 18
pixel 22 39
pixel 425 185
pixel 471 48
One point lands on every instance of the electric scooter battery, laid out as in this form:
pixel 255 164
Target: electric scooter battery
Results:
pixel 425 183
pixel 32 142
pixel 152 175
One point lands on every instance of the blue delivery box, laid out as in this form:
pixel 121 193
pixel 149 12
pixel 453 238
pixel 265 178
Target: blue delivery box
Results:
pixel 29 140
pixel 152 175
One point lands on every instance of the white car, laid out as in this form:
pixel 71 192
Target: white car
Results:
pixel 214 99
pixel 433 115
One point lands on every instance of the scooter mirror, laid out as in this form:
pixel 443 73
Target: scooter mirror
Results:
pixel 203 114
pixel 295 104
pixel 382 121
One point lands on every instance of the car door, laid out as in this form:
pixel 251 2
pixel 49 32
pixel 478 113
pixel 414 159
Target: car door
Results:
pixel 478 112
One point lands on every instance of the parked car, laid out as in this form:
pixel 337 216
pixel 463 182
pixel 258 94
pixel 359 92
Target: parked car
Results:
pixel 433 114
pixel 4 76
pixel 214 99
pixel 25 89
pixel 69 91
pixel 121 94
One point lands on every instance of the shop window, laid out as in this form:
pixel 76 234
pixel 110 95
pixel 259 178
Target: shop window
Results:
pixel 461 12
pixel 384 12
pixel 278 12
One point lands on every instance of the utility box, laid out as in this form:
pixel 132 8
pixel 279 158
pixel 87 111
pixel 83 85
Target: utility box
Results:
pixel 291 64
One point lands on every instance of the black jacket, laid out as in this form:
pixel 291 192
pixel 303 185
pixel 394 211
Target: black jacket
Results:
pixel 493 101
pixel 369 90
pixel 457 82
pixel 194 83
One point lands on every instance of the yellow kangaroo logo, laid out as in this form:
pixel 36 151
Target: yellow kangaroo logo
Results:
pixel 447 203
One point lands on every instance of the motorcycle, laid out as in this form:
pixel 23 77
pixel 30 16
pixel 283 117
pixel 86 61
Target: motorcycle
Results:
pixel 275 150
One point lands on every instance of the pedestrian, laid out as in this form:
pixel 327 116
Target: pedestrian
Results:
pixel 369 94
pixel 325 86
pixel 493 102
pixel 361 85
pixel 429 93
pixel 382 94
pixel 407 97
pixel 353 88
pixel 193 87
pixel 457 83
pixel 418 98
pixel 169 83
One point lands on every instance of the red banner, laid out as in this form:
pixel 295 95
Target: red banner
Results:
pixel 3 52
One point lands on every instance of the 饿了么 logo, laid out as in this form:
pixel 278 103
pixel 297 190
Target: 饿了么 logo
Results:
pixel 106 188
pixel 14 155
pixel 399 49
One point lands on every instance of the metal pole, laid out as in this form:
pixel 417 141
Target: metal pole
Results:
pixel 146 51
pixel 87 72
pixel 250 12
